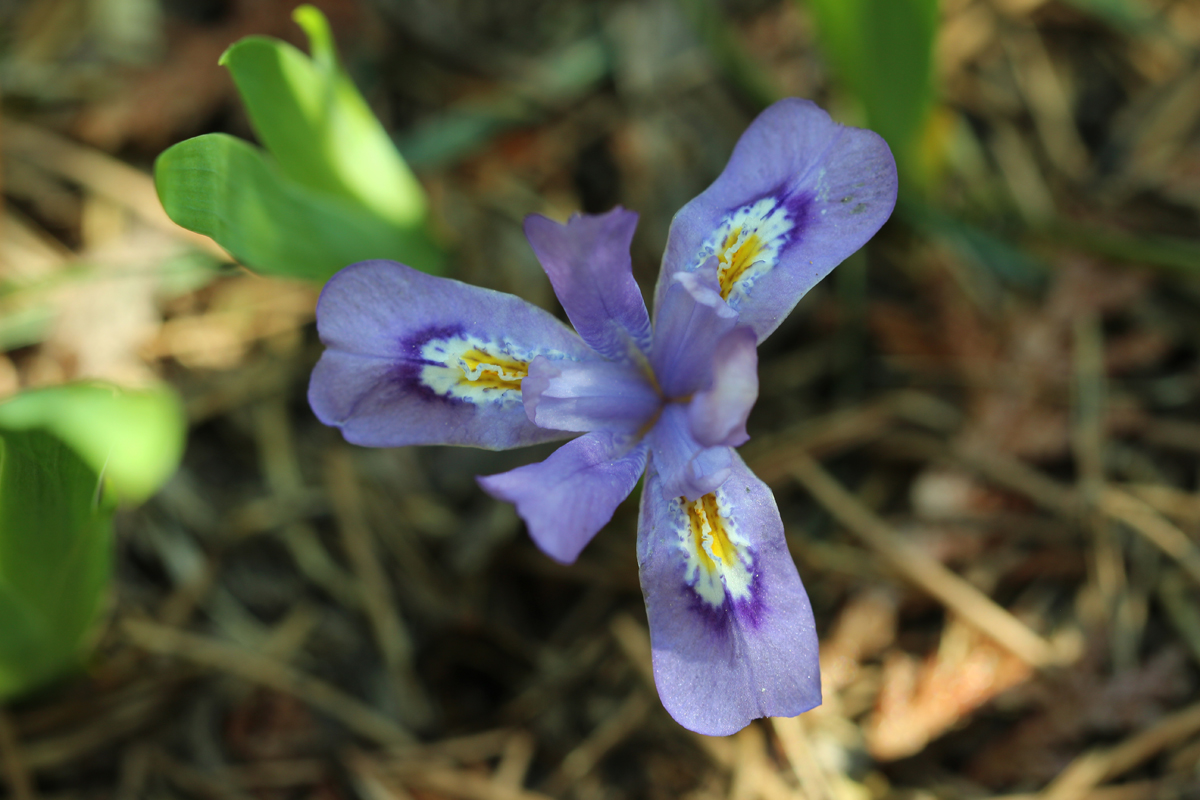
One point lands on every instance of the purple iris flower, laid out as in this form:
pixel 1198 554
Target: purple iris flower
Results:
pixel 415 359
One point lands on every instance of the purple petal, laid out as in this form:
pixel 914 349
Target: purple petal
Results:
pixel 414 359
pixel 588 263
pixel 588 396
pixel 731 627
pixel 799 195
pixel 688 324
pixel 688 468
pixel 566 499
pixel 717 416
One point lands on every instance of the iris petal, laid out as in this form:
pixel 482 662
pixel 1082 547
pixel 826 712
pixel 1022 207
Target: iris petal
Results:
pixel 414 359
pixel 567 498
pixel 688 468
pixel 717 415
pixel 588 396
pixel 588 263
pixel 690 321
pixel 731 628
pixel 799 195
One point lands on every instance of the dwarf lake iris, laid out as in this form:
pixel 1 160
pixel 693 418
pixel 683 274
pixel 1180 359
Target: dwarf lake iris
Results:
pixel 415 359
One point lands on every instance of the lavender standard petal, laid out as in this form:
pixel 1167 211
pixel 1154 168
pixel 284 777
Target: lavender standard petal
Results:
pixel 588 263
pixel 731 628
pixel 799 195
pixel 415 359
pixel 717 415
pixel 588 396
pixel 567 498
pixel 688 468
pixel 688 324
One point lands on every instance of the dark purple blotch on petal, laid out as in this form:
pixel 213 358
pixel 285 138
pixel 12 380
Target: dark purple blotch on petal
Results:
pixel 410 363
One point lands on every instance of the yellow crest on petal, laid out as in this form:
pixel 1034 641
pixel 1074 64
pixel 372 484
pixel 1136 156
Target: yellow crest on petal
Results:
pixel 747 244
pixel 465 367
pixel 718 558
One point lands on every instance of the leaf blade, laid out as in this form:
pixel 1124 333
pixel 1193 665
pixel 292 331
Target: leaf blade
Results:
pixel 312 119
pixel 134 438
pixel 223 187
pixel 55 559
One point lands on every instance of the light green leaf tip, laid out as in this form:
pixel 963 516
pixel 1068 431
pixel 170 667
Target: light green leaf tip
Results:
pixel 133 438
pixel 313 120
pixel 331 189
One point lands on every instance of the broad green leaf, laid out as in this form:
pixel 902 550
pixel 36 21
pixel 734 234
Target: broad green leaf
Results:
pixel 320 130
pixel 133 438
pixel 883 51
pixel 224 188
pixel 55 559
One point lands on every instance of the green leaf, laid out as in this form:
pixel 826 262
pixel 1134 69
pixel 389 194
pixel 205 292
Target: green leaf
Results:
pixel 133 438
pixel 883 51
pixel 224 188
pixel 320 130
pixel 55 559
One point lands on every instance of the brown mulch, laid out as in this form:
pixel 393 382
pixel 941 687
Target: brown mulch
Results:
pixel 987 470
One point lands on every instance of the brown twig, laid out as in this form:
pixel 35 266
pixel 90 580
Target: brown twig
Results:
pixel 1096 766
pixel 797 748
pixel 12 762
pixel 391 634
pixel 584 757
pixel 931 576
pixel 100 173
pixel 1144 520
pixel 256 668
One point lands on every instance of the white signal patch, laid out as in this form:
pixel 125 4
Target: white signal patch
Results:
pixel 747 245
pixel 718 558
pixel 465 367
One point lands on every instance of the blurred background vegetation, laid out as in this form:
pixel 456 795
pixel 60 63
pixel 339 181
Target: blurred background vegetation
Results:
pixel 982 430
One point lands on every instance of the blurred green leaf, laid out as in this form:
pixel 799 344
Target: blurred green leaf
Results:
pixel 999 257
pixel 562 76
pixel 883 51
pixel 224 188
pixel 24 325
pixel 55 558
pixel 1173 253
pixel 133 438
pixel 311 118
pixel 1123 15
